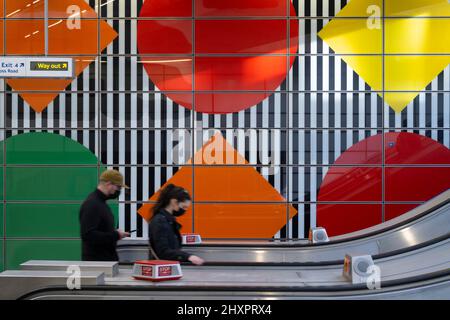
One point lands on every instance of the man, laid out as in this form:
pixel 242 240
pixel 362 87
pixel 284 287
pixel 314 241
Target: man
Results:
pixel 98 234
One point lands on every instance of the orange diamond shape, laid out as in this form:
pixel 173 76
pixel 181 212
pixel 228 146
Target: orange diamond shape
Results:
pixel 26 37
pixel 226 185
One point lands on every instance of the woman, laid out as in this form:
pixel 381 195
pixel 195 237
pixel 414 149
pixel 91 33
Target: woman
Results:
pixel 164 234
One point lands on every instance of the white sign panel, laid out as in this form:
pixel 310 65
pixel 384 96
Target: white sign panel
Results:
pixel 36 67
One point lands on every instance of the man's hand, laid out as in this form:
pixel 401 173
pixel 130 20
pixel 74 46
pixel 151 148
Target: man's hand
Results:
pixel 123 234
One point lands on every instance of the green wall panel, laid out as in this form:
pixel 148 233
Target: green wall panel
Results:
pixel 19 251
pixel 50 183
pixel 55 174
pixel 42 220
pixel 1 176
pixel 46 148
pixel 1 182
pixel 2 266
pixel 45 220
pixel 2 216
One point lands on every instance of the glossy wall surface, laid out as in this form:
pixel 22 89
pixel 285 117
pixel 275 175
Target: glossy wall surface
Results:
pixel 276 115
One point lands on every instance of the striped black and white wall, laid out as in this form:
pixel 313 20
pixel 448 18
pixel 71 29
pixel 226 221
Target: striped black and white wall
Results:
pixel 320 110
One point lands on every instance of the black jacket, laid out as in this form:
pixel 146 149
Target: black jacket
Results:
pixel 98 233
pixel 165 238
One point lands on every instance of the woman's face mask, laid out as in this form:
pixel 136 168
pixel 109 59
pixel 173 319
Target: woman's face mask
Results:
pixel 179 212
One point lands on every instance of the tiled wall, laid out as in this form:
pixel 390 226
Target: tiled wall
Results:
pixel 293 138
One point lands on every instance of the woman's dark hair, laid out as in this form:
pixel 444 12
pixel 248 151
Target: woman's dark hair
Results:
pixel 170 192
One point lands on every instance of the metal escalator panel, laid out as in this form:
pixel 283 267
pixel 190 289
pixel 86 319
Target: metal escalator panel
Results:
pixel 430 222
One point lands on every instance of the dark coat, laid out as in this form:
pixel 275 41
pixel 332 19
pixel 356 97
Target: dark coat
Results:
pixel 98 233
pixel 164 237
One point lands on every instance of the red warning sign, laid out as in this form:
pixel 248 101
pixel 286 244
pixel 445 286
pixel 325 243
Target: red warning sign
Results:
pixel 164 271
pixel 147 271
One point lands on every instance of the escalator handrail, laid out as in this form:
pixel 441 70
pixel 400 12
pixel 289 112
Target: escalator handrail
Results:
pixel 332 242
pixel 316 263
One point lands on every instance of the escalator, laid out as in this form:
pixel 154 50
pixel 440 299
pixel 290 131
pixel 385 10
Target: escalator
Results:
pixel 423 273
pixel 422 224
pixel 412 253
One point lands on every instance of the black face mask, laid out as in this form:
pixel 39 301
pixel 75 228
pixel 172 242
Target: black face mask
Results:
pixel 115 195
pixel 179 212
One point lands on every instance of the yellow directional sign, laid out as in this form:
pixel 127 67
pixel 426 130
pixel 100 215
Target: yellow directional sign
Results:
pixel 49 65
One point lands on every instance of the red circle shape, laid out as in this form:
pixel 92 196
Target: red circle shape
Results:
pixel 414 182
pixel 238 46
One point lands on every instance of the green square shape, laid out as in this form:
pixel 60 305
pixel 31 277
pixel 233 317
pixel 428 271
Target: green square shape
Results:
pixel 50 183
pixel 19 251
pixel 54 220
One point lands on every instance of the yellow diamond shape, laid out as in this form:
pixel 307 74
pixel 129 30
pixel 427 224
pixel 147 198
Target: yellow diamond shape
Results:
pixel 408 29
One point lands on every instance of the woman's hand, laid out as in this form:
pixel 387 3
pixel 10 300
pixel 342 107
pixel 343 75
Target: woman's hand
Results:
pixel 196 260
